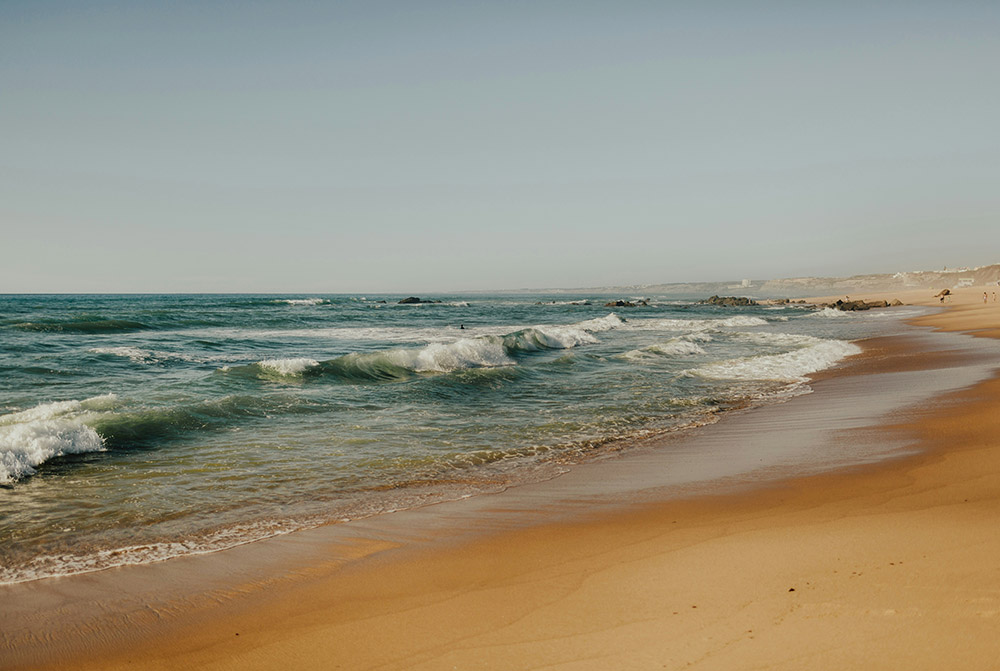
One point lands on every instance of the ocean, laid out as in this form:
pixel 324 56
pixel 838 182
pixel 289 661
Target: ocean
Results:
pixel 134 428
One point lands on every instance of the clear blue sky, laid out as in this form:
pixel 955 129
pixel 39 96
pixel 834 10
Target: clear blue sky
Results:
pixel 433 146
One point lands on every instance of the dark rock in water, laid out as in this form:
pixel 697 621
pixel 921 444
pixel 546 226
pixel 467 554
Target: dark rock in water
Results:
pixel 851 306
pixel 624 304
pixel 729 301
pixel 413 299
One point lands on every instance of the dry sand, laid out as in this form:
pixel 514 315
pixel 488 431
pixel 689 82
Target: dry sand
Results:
pixel 889 566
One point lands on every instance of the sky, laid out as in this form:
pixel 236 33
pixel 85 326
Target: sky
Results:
pixel 425 146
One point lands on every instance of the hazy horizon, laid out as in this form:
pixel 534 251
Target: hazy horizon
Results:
pixel 442 147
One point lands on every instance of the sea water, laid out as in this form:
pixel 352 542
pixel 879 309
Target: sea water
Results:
pixel 134 428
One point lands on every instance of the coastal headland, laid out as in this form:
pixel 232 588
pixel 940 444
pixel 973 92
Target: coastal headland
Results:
pixel 889 564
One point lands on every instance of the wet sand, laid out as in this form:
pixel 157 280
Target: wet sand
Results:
pixel 889 564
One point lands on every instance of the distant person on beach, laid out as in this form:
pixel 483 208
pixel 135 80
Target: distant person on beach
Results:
pixel 984 296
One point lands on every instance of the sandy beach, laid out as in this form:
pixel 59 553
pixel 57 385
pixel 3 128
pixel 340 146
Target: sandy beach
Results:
pixel 888 565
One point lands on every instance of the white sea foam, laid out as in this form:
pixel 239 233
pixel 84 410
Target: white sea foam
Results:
pixel 65 564
pixel 676 348
pixel 832 313
pixel 31 437
pixel 548 337
pixel 288 367
pixel 401 334
pixel 671 348
pixel 135 354
pixel 791 366
pixel 600 324
pixel 147 356
pixel 491 349
pixel 551 336
pixel 303 301
pixel 739 321
pixel 60 409
pixel 829 313
pixel 776 339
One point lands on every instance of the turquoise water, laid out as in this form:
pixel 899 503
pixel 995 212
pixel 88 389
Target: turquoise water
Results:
pixel 135 428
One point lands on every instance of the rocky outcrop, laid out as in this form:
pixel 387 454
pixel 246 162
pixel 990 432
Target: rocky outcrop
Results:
pixel 729 301
pixel 854 306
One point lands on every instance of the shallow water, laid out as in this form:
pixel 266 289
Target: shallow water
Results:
pixel 134 428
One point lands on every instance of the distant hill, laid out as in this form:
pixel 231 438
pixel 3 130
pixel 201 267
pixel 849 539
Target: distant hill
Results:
pixel 920 279
pixel 801 287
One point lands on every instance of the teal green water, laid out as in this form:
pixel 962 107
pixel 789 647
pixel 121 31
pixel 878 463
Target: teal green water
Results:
pixel 135 428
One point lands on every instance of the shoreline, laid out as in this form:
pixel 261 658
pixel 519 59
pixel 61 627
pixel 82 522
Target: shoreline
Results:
pixel 419 601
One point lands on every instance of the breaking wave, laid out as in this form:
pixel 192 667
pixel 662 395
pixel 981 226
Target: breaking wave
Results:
pixel 486 351
pixel 288 367
pixel 31 437
pixel 791 366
